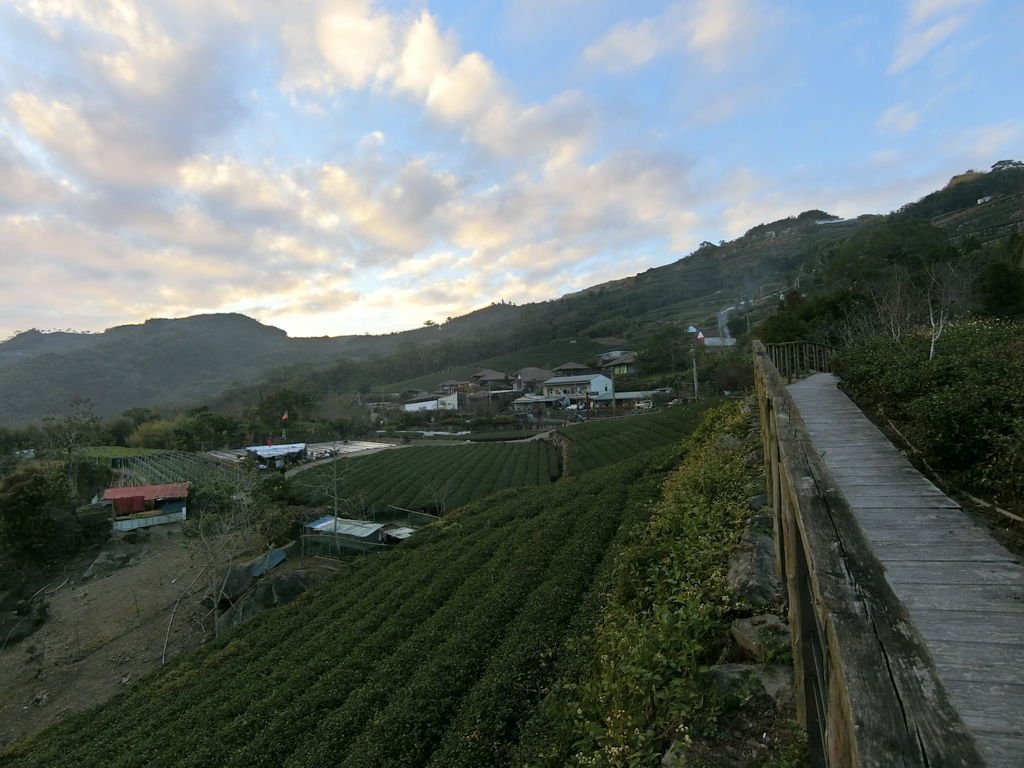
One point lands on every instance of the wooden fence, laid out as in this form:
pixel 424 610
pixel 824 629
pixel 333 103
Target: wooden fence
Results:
pixel 865 687
pixel 793 359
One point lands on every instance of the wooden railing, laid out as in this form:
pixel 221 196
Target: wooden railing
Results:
pixel 793 359
pixel 866 690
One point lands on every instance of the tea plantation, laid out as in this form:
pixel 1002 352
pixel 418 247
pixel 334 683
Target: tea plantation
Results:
pixel 430 478
pixel 599 443
pixel 527 628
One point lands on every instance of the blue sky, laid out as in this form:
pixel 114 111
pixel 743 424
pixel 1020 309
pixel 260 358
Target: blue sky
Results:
pixel 348 166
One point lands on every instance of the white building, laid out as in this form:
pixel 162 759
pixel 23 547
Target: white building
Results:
pixel 578 388
pixel 434 403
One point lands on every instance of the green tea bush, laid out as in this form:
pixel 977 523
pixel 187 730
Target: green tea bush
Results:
pixel 963 410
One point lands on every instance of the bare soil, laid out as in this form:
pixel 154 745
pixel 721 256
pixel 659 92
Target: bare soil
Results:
pixel 102 634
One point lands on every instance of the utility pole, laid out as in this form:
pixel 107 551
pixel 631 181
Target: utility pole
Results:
pixel 693 355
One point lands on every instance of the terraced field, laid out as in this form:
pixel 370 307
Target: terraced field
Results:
pixel 600 443
pixel 429 478
pixel 430 654
pixel 544 626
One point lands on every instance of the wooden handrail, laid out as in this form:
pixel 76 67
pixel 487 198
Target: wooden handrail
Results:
pixel 793 359
pixel 865 686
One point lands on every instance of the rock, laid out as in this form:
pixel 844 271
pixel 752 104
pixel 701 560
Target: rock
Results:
pixel 676 757
pixel 752 570
pixel 777 681
pixel 758 502
pixel 761 636
pixel 271 591
pixel 729 443
pixel 238 581
pixel 772 680
pixel 731 678
pixel 121 551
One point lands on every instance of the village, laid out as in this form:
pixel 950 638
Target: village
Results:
pixel 571 391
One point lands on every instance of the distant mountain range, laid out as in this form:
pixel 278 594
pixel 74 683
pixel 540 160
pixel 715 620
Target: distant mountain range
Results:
pixel 184 361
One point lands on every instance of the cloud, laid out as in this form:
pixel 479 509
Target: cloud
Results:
pixel 987 143
pixel 921 11
pixel 899 118
pixel 23 184
pixel 716 32
pixel 345 45
pixel 928 24
pixel 150 84
pixel 417 60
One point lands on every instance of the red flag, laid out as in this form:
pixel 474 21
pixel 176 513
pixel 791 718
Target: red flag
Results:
pixel 284 417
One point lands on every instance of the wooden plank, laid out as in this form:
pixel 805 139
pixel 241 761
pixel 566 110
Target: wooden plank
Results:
pixel 937 597
pixel 911 529
pixel 956 552
pixel 980 671
pixel 1001 749
pixel 991 628
pixel 952 574
pixel 885 705
pixel 989 706
pixel 907 503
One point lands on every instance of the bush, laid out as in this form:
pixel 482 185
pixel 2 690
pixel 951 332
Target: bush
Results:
pixel 35 504
pixel 963 411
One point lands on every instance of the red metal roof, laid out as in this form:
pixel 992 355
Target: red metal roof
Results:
pixel 148 492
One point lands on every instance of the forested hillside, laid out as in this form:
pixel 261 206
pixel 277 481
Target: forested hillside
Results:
pixel 232 361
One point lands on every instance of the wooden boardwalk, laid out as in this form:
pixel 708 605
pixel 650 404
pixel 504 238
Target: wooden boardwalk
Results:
pixel 963 590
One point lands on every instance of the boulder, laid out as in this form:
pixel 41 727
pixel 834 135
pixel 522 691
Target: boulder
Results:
pixel 761 636
pixel 743 680
pixel 758 502
pixel 271 591
pixel 752 570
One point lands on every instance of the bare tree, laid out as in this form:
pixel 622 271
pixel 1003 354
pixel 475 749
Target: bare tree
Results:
pixel 71 434
pixel 222 529
pixel 945 293
pixel 893 305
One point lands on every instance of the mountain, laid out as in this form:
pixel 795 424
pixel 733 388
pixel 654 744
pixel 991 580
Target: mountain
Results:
pixel 180 362
pixel 159 362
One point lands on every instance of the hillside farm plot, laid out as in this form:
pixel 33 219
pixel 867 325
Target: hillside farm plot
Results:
pixel 430 654
pixel 432 479
pixel 170 467
pixel 474 644
pixel 599 443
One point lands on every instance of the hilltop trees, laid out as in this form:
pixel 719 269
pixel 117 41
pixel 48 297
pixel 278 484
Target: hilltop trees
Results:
pixel 69 435
pixel 34 502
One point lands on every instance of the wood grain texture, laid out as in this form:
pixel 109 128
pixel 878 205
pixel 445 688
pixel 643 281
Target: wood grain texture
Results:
pixel 962 591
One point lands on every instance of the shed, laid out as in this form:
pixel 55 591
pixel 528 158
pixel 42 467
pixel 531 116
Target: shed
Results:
pixel 141 506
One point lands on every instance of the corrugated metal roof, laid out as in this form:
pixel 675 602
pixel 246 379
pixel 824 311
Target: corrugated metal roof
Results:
pixel 358 528
pixel 605 396
pixel 148 492
pixel 272 451
pixel 574 379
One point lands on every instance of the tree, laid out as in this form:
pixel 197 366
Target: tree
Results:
pixel 34 502
pixel 70 435
pixel 224 516
pixel 943 296
pixel 999 290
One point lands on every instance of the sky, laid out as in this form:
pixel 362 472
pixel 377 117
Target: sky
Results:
pixel 349 166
